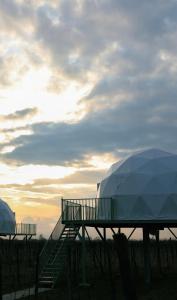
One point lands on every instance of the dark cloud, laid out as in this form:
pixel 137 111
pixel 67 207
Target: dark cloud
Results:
pixel 147 121
pixel 20 114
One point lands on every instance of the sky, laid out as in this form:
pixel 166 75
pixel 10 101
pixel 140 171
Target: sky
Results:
pixel 83 84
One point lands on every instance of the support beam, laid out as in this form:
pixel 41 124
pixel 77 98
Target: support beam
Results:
pixel 172 233
pixel 99 233
pixel 113 231
pixel 87 234
pixel 147 261
pixel 131 233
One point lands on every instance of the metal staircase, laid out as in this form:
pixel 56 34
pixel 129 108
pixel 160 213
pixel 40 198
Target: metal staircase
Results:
pixel 53 256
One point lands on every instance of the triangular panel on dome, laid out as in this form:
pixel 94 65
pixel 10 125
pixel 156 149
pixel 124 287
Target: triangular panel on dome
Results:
pixel 152 153
pixel 169 162
pixel 122 206
pixel 155 202
pixel 134 184
pixel 131 164
pixel 156 186
pixel 141 210
pixel 111 185
pixel 168 181
pixel 153 167
pixel 169 209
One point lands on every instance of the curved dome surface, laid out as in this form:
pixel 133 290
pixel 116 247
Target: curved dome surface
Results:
pixel 7 219
pixel 142 187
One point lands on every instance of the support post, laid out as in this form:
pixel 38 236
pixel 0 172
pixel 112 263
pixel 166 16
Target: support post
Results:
pixel 83 257
pixel 1 277
pixel 69 277
pixel 104 243
pixel 158 252
pixel 121 243
pixel 37 276
pixel 147 260
pixel 84 286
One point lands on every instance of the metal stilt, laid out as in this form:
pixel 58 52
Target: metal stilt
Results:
pixel 147 261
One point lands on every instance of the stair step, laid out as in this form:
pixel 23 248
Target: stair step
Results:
pixel 55 267
pixel 68 233
pixel 57 252
pixel 49 273
pixel 45 283
pixel 50 270
pixel 45 277
pixel 60 254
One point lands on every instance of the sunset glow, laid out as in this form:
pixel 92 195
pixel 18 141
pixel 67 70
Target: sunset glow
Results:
pixel 83 84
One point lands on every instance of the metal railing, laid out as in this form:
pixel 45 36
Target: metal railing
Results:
pixel 25 229
pixel 51 242
pixel 87 209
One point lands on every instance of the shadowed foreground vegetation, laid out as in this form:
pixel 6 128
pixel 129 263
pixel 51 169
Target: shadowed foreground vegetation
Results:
pixel 18 269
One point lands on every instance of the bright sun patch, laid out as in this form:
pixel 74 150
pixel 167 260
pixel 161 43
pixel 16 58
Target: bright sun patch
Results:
pixel 32 91
pixel 28 173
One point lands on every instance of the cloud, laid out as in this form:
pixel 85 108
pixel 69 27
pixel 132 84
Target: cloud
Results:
pixel 20 114
pixel 98 37
pixel 145 121
pixel 16 17
pixel 129 55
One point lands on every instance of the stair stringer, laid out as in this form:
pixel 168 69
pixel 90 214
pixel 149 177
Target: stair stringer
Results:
pixel 56 260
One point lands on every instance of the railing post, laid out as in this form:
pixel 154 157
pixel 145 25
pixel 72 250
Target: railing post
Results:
pixel 111 209
pixel 66 209
pixel 96 208
pixel 62 208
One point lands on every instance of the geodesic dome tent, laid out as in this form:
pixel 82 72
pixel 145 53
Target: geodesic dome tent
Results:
pixel 141 187
pixel 7 219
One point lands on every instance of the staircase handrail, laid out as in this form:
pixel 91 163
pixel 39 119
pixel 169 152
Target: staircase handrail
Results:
pixel 57 231
pixel 63 241
pixel 54 236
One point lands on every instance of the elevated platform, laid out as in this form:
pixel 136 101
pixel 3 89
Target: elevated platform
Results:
pixel 89 213
pixel 21 229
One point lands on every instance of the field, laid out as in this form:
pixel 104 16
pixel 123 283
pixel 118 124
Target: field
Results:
pixel 18 270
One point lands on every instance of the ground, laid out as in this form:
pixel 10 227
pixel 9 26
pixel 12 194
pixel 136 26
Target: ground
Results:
pixel 18 270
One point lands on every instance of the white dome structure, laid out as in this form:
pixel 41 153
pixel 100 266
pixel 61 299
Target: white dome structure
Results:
pixel 7 219
pixel 142 187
